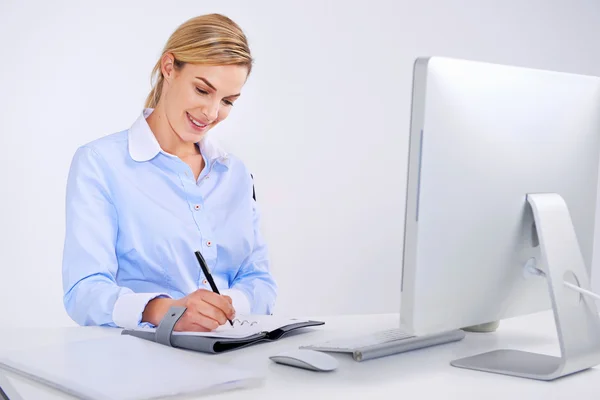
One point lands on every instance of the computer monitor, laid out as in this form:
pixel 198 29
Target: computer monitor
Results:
pixel 502 179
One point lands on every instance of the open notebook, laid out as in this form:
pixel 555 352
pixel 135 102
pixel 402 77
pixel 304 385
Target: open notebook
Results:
pixel 246 330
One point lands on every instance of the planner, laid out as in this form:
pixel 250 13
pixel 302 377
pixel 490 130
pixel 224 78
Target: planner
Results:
pixel 121 367
pixel 246 330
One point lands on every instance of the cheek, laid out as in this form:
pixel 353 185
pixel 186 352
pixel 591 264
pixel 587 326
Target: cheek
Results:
pixel 181 97
pixel 223 113
pixel 175 100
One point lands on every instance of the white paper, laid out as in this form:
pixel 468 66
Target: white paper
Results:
pixel 123 367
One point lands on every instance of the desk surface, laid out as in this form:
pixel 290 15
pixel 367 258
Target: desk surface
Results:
pixel 424 373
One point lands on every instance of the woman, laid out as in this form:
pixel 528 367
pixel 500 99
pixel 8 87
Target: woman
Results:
pixel 140 202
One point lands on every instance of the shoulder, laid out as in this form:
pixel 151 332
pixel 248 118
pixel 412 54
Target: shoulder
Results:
pixel 218 152
pixel 99 153
pixel 114 143
pixel 237 165
pixel 240 174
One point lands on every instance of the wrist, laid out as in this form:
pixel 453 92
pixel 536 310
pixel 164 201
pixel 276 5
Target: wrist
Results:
pixel 156 309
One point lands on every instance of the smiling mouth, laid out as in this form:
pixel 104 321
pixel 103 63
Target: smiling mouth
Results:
pixel 196 122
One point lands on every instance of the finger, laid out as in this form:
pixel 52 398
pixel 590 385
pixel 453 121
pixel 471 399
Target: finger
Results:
pixel 210 311
pixel 219 302
pixel 223 302
pixel 198 327
pixel 230 301
pixel 193 320
pixel 188 326
pixel 187 322
pixel 191 327
pixel 208 322
pixel 202 323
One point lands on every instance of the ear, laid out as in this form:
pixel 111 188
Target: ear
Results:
pixel 167 66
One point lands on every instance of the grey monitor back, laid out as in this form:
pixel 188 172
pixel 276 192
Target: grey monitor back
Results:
pixel 482 137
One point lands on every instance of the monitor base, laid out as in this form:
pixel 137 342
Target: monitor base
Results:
pixel 576 316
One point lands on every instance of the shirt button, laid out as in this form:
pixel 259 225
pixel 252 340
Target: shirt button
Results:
pixel 205 282
pixel 209 243
pixel 197 207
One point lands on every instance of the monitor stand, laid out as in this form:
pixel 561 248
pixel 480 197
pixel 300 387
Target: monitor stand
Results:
pixel 576 316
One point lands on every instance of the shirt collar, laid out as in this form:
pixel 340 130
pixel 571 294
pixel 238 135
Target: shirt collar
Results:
pixel 143 145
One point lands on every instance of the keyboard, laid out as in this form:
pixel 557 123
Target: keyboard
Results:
pixel 384 343
pixel 371 339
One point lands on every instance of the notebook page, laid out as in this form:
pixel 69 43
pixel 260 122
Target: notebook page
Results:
pixel 244 326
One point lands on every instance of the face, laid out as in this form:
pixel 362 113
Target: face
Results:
pixel 196 98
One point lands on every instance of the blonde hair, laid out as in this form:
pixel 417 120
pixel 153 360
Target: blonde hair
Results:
pixel 211 39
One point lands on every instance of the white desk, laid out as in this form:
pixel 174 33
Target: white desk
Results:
pixel 419 374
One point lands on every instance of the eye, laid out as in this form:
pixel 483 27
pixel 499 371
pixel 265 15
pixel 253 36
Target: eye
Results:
pixel 201 91
pixel 228 102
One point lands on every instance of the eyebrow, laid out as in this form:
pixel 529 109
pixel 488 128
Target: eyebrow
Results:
pixel 210 85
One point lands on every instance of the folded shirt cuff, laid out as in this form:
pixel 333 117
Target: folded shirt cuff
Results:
pixel 240 301
pixel 129 307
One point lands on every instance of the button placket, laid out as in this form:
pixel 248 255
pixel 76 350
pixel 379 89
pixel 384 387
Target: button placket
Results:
pixel 205 234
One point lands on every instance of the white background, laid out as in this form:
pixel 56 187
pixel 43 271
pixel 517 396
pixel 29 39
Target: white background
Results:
pixel 322 123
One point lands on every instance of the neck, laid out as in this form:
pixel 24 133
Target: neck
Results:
pixel 168 140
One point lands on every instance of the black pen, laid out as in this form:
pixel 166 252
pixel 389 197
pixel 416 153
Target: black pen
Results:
pixel 208 275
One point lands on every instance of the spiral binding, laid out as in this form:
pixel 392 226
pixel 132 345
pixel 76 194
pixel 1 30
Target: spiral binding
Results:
pixel 243 322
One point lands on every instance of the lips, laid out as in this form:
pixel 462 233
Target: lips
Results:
pixel 196 122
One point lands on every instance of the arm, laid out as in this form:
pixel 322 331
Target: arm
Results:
pixel 253 289
pixel 91 294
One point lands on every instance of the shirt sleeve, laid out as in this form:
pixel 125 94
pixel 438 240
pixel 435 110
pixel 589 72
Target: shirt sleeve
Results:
pixel 90 264
pixel 254 288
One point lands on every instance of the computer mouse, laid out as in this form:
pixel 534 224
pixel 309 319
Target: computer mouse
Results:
pixel 308 359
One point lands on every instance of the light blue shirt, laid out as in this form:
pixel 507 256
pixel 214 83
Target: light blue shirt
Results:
pixel 134 217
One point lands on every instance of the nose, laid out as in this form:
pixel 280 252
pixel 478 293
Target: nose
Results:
pixel 211 110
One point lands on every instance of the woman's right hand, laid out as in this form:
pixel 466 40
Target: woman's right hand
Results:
pixel 205 311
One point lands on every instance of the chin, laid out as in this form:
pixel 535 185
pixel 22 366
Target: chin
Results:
pixel 188 137
pixel 191 136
